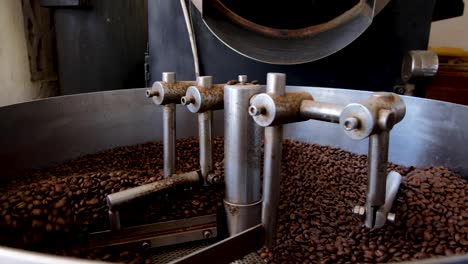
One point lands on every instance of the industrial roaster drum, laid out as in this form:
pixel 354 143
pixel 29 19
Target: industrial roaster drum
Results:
pixel 46 132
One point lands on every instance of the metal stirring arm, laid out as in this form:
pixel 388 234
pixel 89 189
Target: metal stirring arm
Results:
pixel 393 186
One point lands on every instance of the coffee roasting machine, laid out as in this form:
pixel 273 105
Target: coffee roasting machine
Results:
pixel 250 115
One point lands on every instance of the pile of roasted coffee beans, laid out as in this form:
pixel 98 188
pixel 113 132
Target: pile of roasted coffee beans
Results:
pixel 48 210
pixel 321 185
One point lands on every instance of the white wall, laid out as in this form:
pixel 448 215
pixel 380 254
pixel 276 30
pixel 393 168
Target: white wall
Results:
pixel 451 33
pixel 15 84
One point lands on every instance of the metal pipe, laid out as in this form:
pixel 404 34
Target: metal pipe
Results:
pixel 205 133
pixel 242 152
pixel 377 175
pixel 117 199
pixel 169 127
pixel 276 84
pixel 321 111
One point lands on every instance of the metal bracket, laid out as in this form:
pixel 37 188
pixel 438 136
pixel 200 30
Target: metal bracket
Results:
pixel 158 234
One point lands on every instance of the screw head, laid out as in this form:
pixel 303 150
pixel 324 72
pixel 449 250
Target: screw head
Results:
pixel 151 93
pixel 186 100
pixel 256 110
pixel 351 123
pixel 146 245
pixel 359 210
pixel 207 233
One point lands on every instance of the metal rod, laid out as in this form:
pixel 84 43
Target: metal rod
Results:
pixel 321 111
pixel 205 132
pixel 377 175
pixel 276 84
pixel 169 139
pixel 242 152
pixel 169 127
pixel 117 199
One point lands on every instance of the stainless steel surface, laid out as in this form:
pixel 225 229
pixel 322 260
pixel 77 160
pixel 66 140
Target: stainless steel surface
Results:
pixel 376 175
pixel 381 111
pixel 242 216
pixel 114 220
pixel 433 133
pixel 205 133
pixel 271 181
pixel 158 234
pixel 357 121
pixel 419 64
pixel 169 77
pixel 374 118
pixel 276 84
pixel 321 111
pixel 242 159
pixel 227 250
pixel 117 199
pixel 169 127
pixel 242 79
pixel 319 42
pixel 392 187
pixel 243 140
pixel 169 138
pixel 18 256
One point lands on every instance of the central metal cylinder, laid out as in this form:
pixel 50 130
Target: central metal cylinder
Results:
pixel 242 152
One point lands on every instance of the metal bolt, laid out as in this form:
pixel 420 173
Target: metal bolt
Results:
pixel 168 77
pixel 391 217
pixel 399 89
pixel 207 233
pixel 151 93
pixel 359 210
pixel 205 81
pixel 256 110
pixel 146 245
pixel 213 179
pixel 351 123
pixel 186 100
pixel 243 79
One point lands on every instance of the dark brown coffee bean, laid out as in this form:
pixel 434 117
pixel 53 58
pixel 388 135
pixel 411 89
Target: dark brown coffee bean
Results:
pixel 59 204
pixel 92 201
pixel 36 212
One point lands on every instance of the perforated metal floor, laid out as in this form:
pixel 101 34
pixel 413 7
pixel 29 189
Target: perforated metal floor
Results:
pixel 166 255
